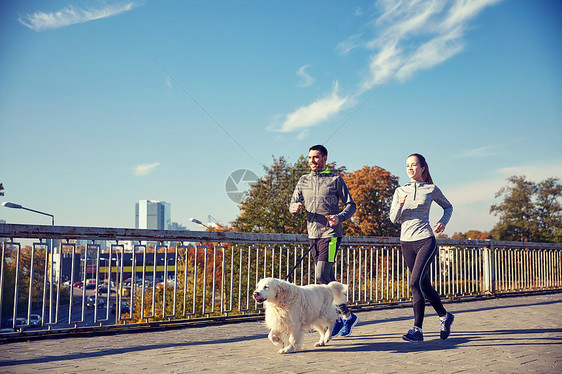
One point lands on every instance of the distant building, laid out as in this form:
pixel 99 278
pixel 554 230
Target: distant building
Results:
pixel 153 215
pixel 176 226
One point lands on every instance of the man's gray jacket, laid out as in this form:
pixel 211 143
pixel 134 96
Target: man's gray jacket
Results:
pixel 320 193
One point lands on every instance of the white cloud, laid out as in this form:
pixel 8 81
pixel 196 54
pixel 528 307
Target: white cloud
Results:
pixel 400 20
pixel 144 169
pixel 472 201
pixel 485 190
pixel 475 192
pixel 381 66
pixel 419 34
pixel 535 173
pixel 313 114
pixel 408 37
pixel 464 10
pixel 485 151
pixel 432 53
pixel 351 43
pixel 303 134
pixel 468 217
pixel 307 79
pixel 71 15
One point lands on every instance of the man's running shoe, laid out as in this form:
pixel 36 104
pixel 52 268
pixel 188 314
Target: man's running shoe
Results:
pixel 414 334
pixel 446 323
pixel 349 324
pixel 338 326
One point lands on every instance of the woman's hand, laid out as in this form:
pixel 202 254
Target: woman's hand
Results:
pixel 439 227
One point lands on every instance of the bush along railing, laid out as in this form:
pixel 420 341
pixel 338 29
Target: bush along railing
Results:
pixel 64 278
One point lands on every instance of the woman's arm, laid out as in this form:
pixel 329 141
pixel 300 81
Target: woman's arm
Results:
pixel 396 207
pixel 440 199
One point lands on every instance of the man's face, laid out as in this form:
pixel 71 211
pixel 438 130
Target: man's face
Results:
pixel 316 161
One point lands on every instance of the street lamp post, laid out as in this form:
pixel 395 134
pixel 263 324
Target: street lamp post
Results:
pixel 196 221
pixel 18 206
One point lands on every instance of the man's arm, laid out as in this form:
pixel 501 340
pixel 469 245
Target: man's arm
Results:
pixel 344 195
pixel 296 200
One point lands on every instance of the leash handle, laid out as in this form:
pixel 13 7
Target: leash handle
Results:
pixel 297 264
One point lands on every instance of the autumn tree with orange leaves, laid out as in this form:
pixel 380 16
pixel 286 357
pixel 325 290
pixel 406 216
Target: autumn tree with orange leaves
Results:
pixel 372 189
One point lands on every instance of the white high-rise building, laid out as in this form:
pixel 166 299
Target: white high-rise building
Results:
pixel 153 215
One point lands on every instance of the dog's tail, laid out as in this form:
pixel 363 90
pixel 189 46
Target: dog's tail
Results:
pixel 340 292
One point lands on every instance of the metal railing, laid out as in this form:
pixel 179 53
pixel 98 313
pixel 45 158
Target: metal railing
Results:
pixel 140 277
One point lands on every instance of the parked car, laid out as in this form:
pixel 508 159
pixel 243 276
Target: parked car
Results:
pixel 20 321
pixel 90 284
pixel 35 320
pixel 125 308
pixel 78 284
pixel 91 302
pixel 101 290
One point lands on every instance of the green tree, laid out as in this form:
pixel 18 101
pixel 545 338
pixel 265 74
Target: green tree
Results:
pixel 529 211
pixel 26 254
pixel 472 235
pixel 266 208
pixel 372 189
pixel 549 210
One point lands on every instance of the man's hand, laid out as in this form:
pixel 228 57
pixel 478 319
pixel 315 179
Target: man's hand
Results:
pixel 332 220
pixel 295 208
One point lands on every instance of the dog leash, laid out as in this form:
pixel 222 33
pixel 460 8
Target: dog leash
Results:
pixel 297 264
pixel 303 256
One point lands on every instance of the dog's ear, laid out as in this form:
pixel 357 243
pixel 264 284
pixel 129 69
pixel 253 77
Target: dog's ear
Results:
pixel 340 292
pixel 284 291
pixel 280 290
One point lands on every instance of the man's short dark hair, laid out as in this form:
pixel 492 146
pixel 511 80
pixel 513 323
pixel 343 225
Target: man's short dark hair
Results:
pixel 320 148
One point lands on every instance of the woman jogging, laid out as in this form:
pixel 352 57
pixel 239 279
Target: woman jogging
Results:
pixel 410 207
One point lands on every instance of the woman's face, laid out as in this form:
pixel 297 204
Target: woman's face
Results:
pixel 414 169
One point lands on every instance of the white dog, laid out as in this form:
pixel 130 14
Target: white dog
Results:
pixel 293 310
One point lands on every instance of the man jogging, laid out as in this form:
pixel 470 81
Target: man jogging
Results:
pixel 320 191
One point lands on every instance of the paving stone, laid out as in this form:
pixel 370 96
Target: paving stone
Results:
pixel 507 335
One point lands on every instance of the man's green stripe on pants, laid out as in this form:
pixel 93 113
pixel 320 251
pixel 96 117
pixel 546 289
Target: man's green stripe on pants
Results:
pixel 332 249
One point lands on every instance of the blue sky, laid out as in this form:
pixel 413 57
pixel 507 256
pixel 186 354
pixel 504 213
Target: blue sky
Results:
pixel 104 103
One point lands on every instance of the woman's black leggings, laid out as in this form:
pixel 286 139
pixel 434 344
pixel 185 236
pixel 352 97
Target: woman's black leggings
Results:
pixel 418 256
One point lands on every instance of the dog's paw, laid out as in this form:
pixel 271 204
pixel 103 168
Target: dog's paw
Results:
pixel 319 344
pixel 287 349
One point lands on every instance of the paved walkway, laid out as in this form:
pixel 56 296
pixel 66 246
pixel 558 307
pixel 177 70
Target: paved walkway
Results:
pixel 505 335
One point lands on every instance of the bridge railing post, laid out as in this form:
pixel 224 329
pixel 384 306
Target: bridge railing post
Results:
pixel 488 275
